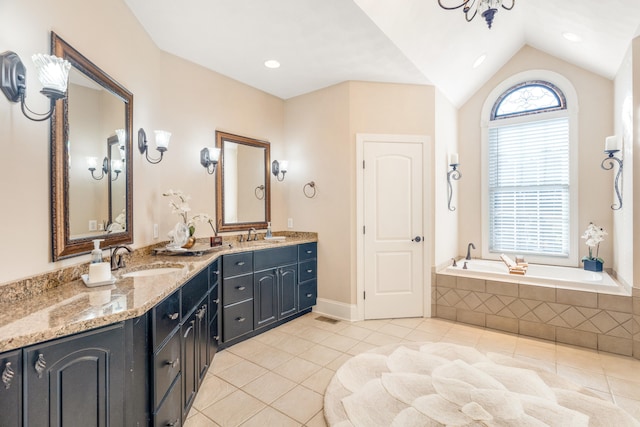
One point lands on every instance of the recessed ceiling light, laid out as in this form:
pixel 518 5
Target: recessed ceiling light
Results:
pixel 479 60
pixel 572 37
pixel 272 63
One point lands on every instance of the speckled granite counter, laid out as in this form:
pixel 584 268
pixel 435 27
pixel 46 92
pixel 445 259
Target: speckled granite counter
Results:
pixel 56 304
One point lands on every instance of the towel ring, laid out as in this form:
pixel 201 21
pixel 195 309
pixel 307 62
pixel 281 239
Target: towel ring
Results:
pixel 259 192
pixel 312 186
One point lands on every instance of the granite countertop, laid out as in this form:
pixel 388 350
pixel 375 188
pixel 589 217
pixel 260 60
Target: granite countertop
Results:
pixel 72 307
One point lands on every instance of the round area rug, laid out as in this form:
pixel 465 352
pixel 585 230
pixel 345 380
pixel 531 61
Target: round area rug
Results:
pixel 442 384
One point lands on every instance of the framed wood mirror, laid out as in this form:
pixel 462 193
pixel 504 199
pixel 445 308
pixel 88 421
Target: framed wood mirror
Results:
pixel 85 204
pixel 243 190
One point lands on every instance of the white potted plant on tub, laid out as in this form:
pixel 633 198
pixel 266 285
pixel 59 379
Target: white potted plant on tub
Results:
pixel 593 236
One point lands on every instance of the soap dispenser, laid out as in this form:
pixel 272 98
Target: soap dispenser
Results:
pixel 268 235
pixel 96 253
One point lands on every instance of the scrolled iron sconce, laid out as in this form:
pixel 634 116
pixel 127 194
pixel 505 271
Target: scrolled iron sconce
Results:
pixel 611 147
pixel 312 193
pixel 93 163
pixel 209 159
pixel 454 174
pixel 279 169
pixel 162 144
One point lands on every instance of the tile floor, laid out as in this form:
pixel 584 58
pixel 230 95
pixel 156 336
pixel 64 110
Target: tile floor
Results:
pixel 278 378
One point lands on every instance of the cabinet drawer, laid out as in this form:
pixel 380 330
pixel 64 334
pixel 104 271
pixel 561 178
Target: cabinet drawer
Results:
pixel 236 264
pixel 193 291
pixel 166 367
pixel 170 413
pixel 237 289
pixel 165 318
pixel 269 258
pixel 307 251
pixel 237 320
pixel 307 270
pixel 307 294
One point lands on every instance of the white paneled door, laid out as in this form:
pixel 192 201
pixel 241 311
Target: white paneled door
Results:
pixel 393 229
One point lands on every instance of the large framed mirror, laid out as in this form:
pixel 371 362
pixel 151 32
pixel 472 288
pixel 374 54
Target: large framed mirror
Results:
pixel 243 191
pixel 91 171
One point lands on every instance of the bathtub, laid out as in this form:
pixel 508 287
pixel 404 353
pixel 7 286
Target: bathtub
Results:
pixel 541 275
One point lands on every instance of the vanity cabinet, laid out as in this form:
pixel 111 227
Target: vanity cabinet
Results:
pixel 262 289
pixel 214 303
pixel 11 389
pixel 76 380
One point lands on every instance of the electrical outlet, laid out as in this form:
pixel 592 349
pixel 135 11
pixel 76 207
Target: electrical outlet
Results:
pixel 290 223
pixel 155 231
pixel 93 225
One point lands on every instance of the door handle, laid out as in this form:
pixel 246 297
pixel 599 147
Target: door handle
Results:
pixel 417 239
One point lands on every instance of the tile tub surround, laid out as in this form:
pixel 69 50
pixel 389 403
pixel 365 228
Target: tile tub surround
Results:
pixel 587 319
pixel 56 304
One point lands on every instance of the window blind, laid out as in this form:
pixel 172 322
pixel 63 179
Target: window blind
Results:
pixel 529 188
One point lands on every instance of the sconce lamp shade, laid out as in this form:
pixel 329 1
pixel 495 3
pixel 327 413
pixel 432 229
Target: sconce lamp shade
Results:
pixel 209 157
pixel 53 73
pixel 116 166
pixel 279 169
pixel 122 137
pixel 162 144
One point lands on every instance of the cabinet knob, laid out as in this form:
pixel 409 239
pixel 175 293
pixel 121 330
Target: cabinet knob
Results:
pixel 240 288
pixel 40 365
pixel 216 301
pixel 173 316
pixel 173 363
pixel 216 337
pixel 7 375
pixel 309 252
pixel 309 271
pixel 240 263
pixel 240 319
pixel 173 423
pixel 309 295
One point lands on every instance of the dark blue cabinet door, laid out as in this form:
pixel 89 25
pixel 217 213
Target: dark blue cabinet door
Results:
pixel 288 291
pixel 11 389
pixel 76 380
pixel 265 298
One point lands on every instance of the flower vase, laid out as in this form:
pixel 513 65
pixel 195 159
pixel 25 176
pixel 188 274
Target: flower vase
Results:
pixel 592 265
pixel 179 235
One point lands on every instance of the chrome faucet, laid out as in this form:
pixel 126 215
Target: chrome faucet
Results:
pixel 116 260
pixel 255 236
pixel 469 246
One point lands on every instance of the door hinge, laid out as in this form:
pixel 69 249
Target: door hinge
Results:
pixel 363 164
pixel 364 229
pixel 364 295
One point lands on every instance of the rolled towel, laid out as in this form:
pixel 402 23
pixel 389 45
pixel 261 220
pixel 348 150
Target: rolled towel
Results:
pixel 508 261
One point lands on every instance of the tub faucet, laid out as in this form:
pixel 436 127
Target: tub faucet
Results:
pixel 469 246
pixel 116 260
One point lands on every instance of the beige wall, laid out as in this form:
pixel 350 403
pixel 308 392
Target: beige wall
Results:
pixel 595 98
pixel 169 93
pixel 320 129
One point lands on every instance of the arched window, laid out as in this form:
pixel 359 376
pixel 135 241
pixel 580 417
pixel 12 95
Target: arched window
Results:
pixel 528 172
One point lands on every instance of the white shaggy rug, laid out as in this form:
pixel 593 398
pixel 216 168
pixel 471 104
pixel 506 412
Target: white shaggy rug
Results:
pixel 441 384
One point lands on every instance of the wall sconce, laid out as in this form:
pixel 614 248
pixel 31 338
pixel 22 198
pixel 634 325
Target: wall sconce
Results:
pixel 454 174
pixel 611 147
pixel 116 167
pixel 162 144
pixel 278 168
pixel 93 164
pixel 209 159
pixel 53 73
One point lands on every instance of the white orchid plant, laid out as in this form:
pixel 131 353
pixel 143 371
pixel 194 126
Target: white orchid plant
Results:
pixel 179 205
pixel 593 235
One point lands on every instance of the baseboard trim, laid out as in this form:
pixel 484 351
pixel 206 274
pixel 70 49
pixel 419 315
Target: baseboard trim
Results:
pixel 336 309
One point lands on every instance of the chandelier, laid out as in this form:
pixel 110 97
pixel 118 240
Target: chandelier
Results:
pixel 487 8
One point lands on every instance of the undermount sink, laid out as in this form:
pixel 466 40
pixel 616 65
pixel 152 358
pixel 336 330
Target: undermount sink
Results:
pixel 152 272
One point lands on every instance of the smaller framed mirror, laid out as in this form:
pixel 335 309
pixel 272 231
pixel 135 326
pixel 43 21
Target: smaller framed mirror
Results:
pixel 243 190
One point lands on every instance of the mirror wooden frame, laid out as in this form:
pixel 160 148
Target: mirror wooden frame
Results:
pixel 62 245
pixel 220 199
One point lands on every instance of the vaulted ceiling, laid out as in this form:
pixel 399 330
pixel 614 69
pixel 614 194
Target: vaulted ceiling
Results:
pixel 323 42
